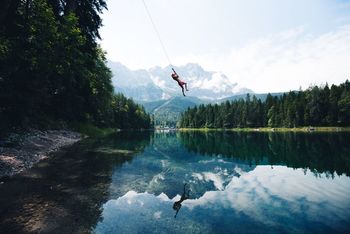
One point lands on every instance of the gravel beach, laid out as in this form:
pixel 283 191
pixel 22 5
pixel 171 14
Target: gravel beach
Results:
pixel 20 152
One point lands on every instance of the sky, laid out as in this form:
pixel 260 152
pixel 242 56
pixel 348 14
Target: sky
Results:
pixel 264 45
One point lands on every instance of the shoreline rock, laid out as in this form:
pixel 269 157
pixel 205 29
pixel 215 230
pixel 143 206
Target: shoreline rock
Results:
pixel 20 152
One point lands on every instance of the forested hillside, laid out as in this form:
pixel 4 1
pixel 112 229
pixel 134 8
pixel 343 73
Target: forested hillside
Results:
pixel 166 113
pixel 52 69
pixel 317 106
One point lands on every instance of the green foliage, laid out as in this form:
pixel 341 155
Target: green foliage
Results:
pixel 128 114
pixel 315 106
pixel 51 68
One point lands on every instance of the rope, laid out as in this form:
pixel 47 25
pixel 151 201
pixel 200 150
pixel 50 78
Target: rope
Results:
pixel 157 32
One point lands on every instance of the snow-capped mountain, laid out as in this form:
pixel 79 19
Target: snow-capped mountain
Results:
pixel 157 84
pixel 136 84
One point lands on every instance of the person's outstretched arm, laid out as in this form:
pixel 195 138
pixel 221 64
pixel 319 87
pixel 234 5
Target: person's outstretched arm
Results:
pixel 174 71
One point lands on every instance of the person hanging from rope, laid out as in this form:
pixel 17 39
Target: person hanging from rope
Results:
pixel 174 75
pixel 181 83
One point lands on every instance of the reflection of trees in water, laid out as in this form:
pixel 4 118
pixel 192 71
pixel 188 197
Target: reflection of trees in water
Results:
pixel 65 194
pixel 166 139
pixel 126 140
pixel 320 152
pixel 167 144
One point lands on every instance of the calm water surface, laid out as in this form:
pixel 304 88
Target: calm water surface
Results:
pixel 238 182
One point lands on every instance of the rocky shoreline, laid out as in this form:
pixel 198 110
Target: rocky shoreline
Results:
pixel 20 152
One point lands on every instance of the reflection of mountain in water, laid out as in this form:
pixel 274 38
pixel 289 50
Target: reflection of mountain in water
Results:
pixel 209 161
pixel 320 152
pixel 166 165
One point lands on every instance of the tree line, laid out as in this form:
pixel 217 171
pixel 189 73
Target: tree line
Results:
pixel 316 106
pixel 52 68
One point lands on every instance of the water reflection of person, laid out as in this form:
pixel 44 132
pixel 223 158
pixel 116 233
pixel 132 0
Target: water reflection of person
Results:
pixel 184 196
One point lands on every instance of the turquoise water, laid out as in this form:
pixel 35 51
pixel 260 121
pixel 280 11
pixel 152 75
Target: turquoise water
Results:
pixel 235 183
pixel 239 182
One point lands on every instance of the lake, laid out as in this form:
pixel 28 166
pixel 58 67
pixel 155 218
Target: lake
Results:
pixel 214 182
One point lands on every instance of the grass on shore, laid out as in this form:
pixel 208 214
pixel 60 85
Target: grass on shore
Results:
pixel 267 129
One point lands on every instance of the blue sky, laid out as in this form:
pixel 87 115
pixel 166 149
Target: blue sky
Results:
pixel 265 45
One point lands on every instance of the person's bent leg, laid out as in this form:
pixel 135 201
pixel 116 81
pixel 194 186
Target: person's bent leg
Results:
pixel 182 87
pixel 186 87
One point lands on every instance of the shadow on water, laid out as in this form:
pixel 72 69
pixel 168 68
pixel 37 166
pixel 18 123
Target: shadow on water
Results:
pixel 320 152
pixel 64 194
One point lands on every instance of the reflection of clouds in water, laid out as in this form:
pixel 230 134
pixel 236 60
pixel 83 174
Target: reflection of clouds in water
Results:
pixel 254 194
pixel 125 215
pixel 262 196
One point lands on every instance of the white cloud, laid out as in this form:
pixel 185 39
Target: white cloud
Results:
pixel 291 59
pixel 284 61
pixel 233 37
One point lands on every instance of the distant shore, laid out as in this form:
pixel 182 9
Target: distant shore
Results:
pixel 21 151
pixel 266 129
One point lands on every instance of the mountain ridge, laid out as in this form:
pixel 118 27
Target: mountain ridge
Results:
pixel 156 84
